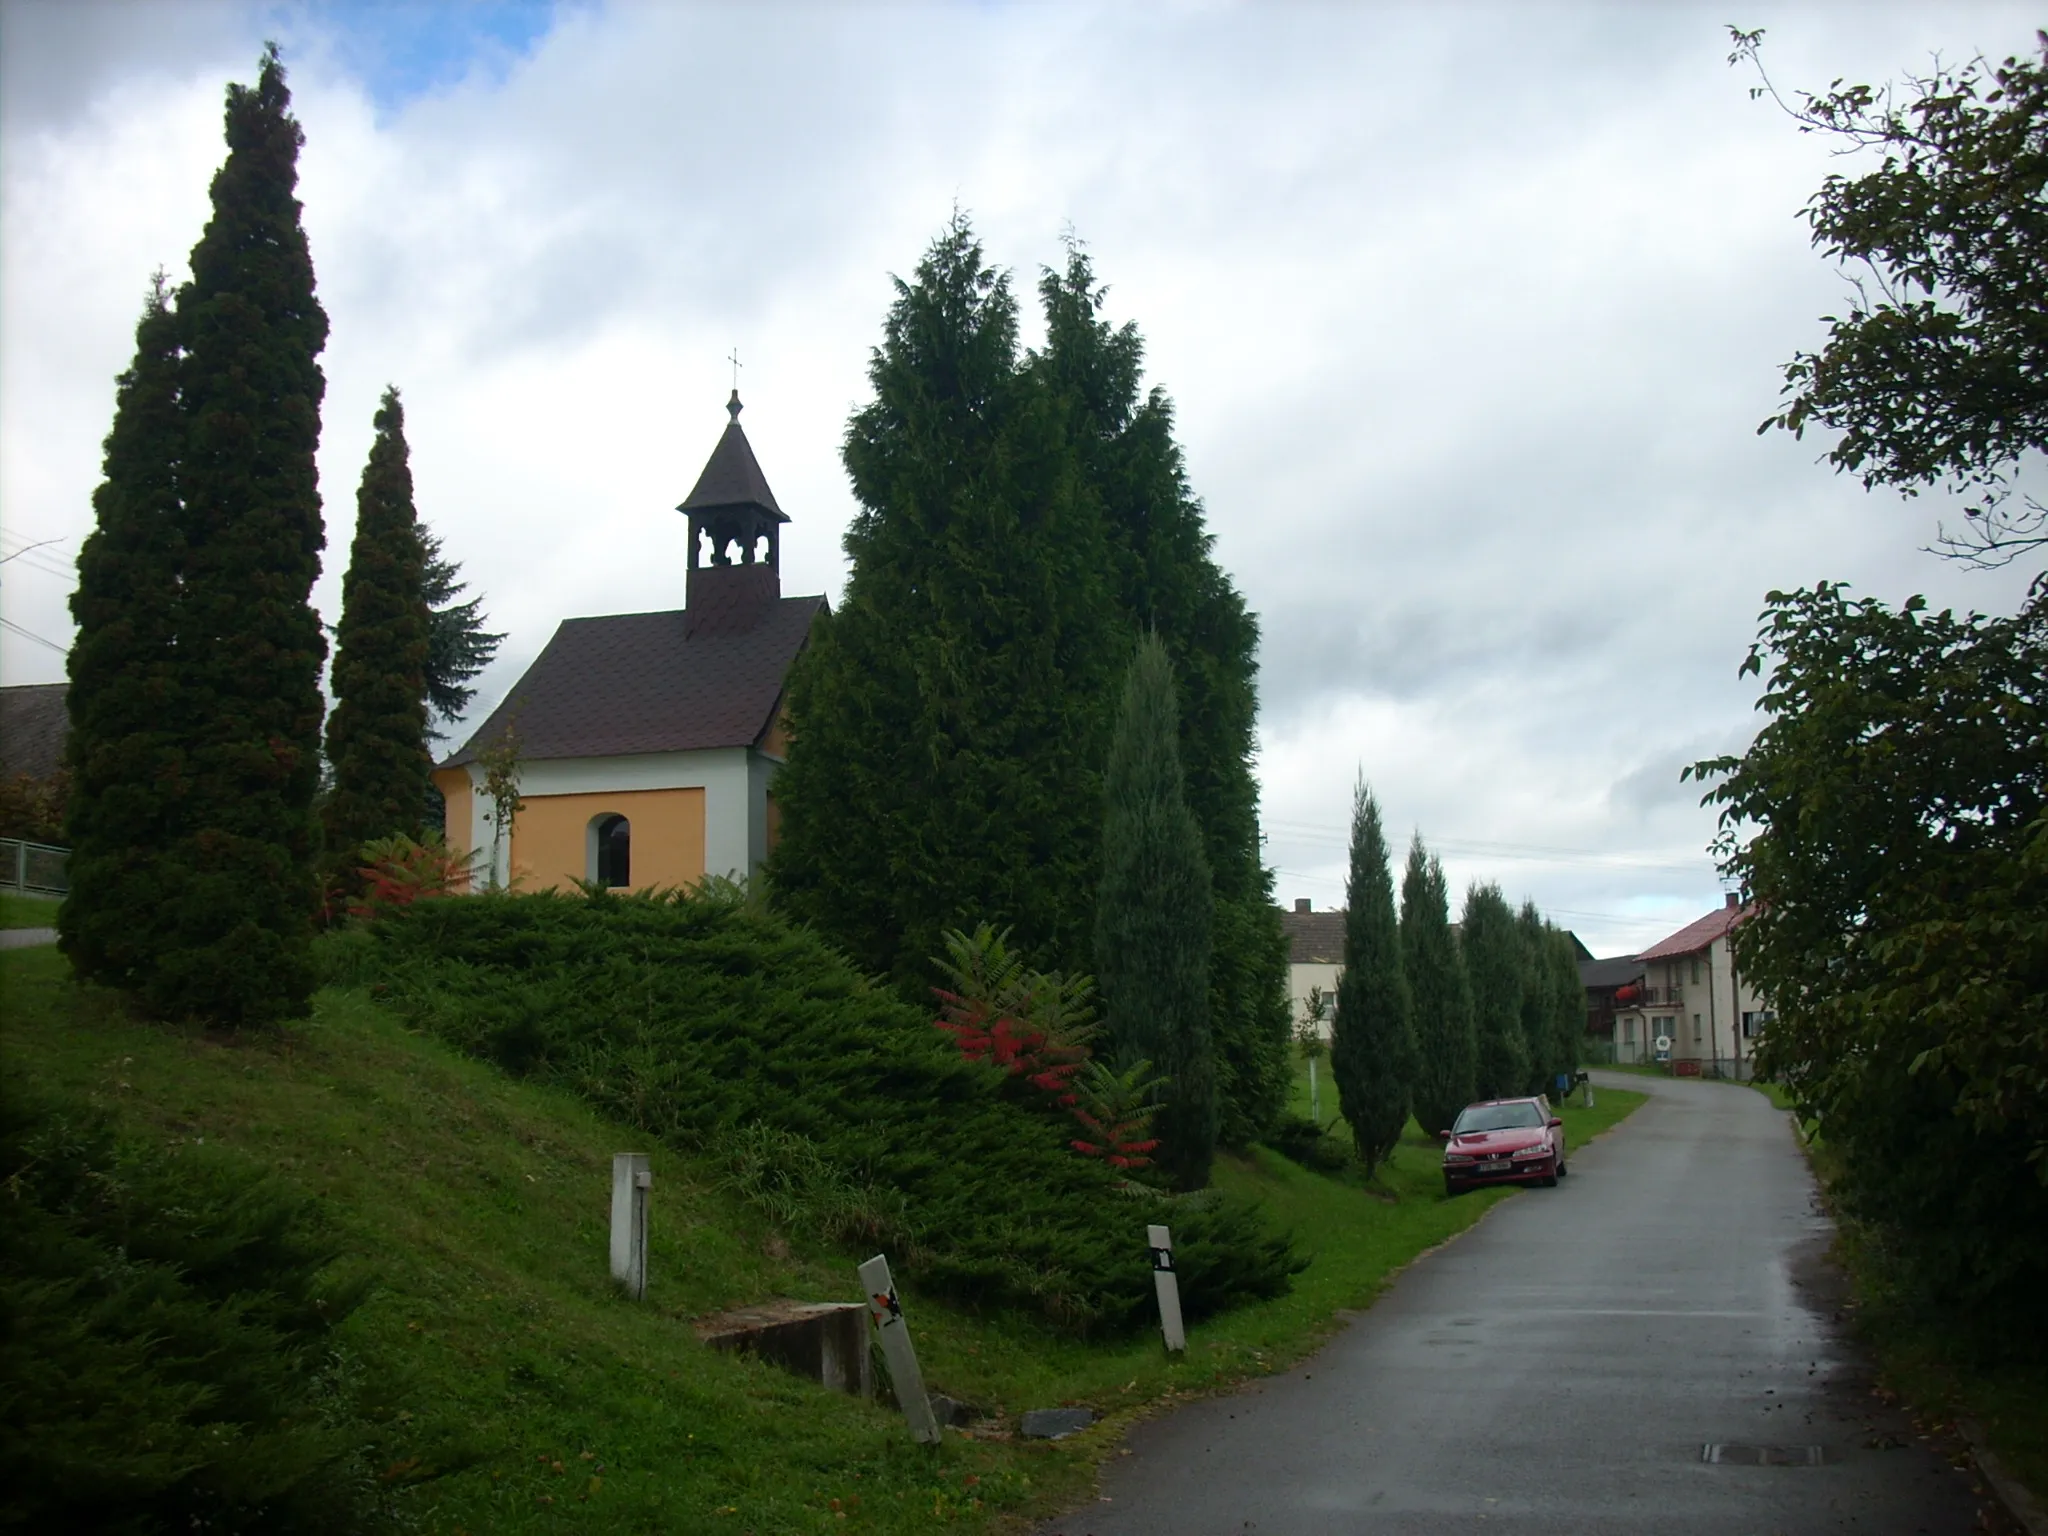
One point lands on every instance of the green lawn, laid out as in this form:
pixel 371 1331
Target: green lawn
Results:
pixel 516 1392
pixel 28 911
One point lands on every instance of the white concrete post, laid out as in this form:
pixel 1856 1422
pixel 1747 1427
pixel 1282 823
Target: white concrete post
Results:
pixel 631 1179
pixel 1587 1098
pixel 1167 1284
pixel 904 1375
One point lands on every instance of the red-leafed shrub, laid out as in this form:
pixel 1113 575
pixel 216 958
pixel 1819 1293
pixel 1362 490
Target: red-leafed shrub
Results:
pixel 398 872
pixel 1116 1109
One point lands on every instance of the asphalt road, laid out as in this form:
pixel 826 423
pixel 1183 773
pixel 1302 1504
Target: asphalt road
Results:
pixel 26 938
pixel 1560 1368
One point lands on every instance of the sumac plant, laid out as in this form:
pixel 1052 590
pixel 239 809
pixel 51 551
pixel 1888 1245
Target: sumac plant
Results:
pixel 1033 1025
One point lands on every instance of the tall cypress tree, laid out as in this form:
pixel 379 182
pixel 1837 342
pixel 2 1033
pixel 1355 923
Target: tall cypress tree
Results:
pixel 1445 1050
pixel 1152 918
pixel 1539 1027
pixel 1372 1056
pixel 249 644
pixel 377 733
pixel 1491 944
pixel 949 722
pixel 123 697
pixel 1166 581
pixel 1567 999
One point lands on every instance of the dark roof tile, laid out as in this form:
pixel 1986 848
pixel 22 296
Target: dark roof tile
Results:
pixel 1313 938
pixel 33 725
pixel 638 682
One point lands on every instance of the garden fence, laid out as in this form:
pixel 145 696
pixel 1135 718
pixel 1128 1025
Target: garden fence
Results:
pixel 34 869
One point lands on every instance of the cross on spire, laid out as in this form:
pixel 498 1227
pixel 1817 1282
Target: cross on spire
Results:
pixel 733 357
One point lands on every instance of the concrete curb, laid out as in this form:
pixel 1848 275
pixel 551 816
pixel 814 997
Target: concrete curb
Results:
pixel 2017 1498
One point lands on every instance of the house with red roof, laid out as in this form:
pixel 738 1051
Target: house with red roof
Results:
pixel 648 743
pixel 1688 990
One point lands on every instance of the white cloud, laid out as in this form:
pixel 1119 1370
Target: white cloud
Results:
pixel 1469 313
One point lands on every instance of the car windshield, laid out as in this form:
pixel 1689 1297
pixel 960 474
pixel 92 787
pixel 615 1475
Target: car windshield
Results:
pixel 1496 1117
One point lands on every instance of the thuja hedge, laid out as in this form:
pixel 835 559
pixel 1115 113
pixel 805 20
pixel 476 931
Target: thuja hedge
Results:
pixel 696 1016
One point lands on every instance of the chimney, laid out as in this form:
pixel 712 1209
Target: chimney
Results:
pixel 1731 900
pixel 1301 904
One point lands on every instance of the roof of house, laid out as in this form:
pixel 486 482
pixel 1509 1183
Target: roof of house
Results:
pixel 33 725
pixel 638 682
pixel 1616 971
pixel 1313 938
pixel 1696 936
pixel 732 476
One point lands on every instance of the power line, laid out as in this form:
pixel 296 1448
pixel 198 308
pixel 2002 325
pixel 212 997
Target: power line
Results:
pixel 28 634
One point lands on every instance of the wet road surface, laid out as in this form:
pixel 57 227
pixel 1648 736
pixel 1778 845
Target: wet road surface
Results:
pixel 26 938
pixel 1560 1368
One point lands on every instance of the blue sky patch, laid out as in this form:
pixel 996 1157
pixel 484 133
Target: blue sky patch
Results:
pixel 404 49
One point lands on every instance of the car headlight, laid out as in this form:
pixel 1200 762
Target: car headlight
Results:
pixel 1458 1157
pixel 1537 1151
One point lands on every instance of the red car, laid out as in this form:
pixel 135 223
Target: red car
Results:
pixel 1503 1141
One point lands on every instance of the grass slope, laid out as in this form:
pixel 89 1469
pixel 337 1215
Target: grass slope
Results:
pixel 513 1391
pixel 19 911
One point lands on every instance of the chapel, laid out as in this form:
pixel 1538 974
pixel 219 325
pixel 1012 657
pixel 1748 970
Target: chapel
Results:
pixel 648 743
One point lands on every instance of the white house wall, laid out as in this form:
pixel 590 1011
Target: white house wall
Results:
pixel 1302 976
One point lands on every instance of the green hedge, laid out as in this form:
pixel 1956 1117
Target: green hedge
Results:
pixel 703 1020
pixel 164 1354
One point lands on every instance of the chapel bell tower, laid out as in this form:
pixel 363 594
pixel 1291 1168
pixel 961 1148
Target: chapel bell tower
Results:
pixel 735 540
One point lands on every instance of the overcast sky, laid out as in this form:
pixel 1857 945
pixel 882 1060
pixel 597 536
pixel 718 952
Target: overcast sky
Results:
pixel 1469 312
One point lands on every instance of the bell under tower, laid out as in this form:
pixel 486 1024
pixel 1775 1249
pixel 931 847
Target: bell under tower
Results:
pixel 735 571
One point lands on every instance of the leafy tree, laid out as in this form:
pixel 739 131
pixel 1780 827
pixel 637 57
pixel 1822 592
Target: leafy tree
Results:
pixel 458 645
pixel 124 696
pixel 1166 580
pixel 377 734
pixel 1898 871
pixel 1491 945
pixel 249 646
pixel 1153 915
pixel 948 723
pixel 1446 1054
pixel 1372 1055
pixel 1937 373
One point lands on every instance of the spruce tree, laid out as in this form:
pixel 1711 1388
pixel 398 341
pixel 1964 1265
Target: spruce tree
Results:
pixel 1491 944
pixel 249 644
pixel 458 645
pixel 949 722
pixel 1152 919
pixel 377 733
pixel 1165 580
pixel 1372 1056
pixel 1441 999
pixel 123 697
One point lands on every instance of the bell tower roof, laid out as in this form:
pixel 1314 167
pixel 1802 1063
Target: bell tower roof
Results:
pixel 732 476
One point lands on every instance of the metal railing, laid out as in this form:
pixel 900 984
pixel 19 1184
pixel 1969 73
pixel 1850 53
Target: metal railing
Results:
pixel 34 869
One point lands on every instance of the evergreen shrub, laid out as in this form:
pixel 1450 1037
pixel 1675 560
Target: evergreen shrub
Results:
pixel 165 1362
pixel 713 1024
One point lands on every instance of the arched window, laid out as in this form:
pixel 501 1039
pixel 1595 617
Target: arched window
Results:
pixel 611 850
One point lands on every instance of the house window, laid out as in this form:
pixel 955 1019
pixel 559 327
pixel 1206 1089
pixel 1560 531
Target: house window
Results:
pixel 1695 1029
pixel 1628 1031
pixel 1695 971
pixel 611 851
pixel 1753 1024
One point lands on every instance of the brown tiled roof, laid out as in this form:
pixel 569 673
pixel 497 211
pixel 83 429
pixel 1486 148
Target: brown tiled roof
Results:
pixel 33 725
pixel 732 476
pixel 637 682
pixel 1694 937
pixel 1313 938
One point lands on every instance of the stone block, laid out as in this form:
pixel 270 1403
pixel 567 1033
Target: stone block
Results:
pixel 825 1341
pixel 1055 1423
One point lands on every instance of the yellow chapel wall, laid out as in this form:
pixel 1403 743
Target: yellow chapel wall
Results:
pixel 551 847
pixel 456 821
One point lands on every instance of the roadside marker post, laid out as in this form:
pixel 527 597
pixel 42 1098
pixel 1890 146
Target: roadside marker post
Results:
pixel 1167 1284
pixel 887 1311
pixel 631 1180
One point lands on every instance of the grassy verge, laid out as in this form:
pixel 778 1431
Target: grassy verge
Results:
pixel 18 911
pixel 514 1391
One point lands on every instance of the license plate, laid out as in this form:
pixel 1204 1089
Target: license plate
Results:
pixel 1499 1167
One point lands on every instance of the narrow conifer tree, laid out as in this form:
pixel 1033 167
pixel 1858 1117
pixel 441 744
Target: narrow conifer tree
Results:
pixel 1539 1027
pixel 1567 996
pixel 950 721
pixel 1372 1056
pixel 123 697
pixel 1153 915
pixel 1491 943
pixel 377 733
pixel 1445 1051
pixel 1165 579
pixel 249 643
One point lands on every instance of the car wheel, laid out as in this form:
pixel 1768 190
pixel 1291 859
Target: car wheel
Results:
pixel 1561 1169
pixel 1549 1180
pixel 1451 1191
